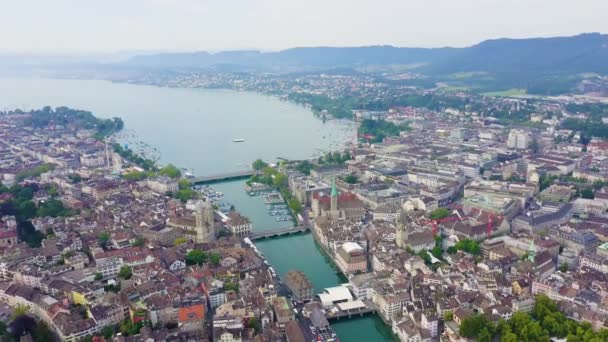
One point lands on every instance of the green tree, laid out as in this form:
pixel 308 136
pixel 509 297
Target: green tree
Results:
pixel 42 333
pixel 179 241
pixel 184 184
pixel 98 276
pixel 439 213
pixel 107 332
pixel 280 180
pixel 103 239
pixel 448 316
pixel 587 193
pixel 139 242
pixel 170 171
pixel 564 267
pixel 304 166
pixel 351 179
pixel 125 272
pixel 295 205
pixel 196 257
pixel 20 310
pixel 135 176
pixel 259 165
pixel 215 259
pixel 473 325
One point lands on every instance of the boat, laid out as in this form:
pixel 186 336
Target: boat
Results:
pixel 238 140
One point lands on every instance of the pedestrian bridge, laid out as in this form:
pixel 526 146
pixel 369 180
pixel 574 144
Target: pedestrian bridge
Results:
pixel 277 232
pixel 224 176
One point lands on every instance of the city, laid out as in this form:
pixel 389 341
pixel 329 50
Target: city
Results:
pixel 287 171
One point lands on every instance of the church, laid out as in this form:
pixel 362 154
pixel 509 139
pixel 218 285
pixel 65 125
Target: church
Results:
pixel 338 206
pixel 198 227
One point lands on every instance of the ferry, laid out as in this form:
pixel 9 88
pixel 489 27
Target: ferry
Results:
pixel 238 140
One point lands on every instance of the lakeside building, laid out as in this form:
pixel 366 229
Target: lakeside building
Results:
pixel 351 258
pixel 238 225
pixel 299 285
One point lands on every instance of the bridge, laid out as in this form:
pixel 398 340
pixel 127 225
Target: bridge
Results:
pixel 278 232
pixel 351 313
pixel 224 176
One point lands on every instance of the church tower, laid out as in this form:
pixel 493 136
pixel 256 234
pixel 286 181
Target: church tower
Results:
pixel 334 200
pixel 531 252
pixel 203 215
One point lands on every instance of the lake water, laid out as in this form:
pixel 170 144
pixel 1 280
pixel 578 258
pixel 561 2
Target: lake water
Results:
pixel 194 128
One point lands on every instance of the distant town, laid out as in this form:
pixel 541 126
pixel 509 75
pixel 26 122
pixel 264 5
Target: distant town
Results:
pixel 451 215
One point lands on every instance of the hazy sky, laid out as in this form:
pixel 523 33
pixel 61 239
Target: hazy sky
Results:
pixel 61 26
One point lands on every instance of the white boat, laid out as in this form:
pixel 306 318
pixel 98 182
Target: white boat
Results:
pixel 238 140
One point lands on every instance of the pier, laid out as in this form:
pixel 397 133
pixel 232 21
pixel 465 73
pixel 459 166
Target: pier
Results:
pixel 224 176
pixel 277 232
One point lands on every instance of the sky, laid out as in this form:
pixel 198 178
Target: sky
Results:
pixel 109 26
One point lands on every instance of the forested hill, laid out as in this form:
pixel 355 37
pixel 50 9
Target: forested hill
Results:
pixel 582 53
pixel 576 54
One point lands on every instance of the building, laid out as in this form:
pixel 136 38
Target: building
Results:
pixel 299 285
pixel 338 206
pixel 412 233
pixel 282 311
pixel 518 139
pixel 351 258
pixel 200 227
pixel 237 224
pixel 163 184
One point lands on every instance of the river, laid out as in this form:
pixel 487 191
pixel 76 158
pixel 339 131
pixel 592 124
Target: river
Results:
pixel 194 128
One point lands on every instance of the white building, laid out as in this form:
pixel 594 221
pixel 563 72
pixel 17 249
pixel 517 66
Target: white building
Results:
pixel 518 139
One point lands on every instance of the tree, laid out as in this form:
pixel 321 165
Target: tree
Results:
pixel 351 179
pixel 196 257
pixel 179 241
pixel 484 335
pixel 448 316
pixel 258 165
pixel 295 205
pixel 139 242
pixel 253 323
pixel 134 176
pixel 280 180
pixel 564 267
pixel 587 193
pixel 125 272
pixel 20 310
pixel 98 276
pixel 439 213
pixel 304 166
pixel 42 333
pixel 230 286
pixel 469 246
pixel 472 326
pixel 103 239
pixel 215 259
pixel 107 332
pixel 170 171
pixel 184 184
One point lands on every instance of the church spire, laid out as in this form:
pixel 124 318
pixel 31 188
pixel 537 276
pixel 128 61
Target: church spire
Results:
pixel 334 191
pixel 532 251
pixel 334 200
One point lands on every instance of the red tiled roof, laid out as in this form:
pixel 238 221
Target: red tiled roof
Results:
pixel 191 313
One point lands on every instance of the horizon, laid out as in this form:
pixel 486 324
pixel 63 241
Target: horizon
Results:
pixel 67 27
pixel 262 51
